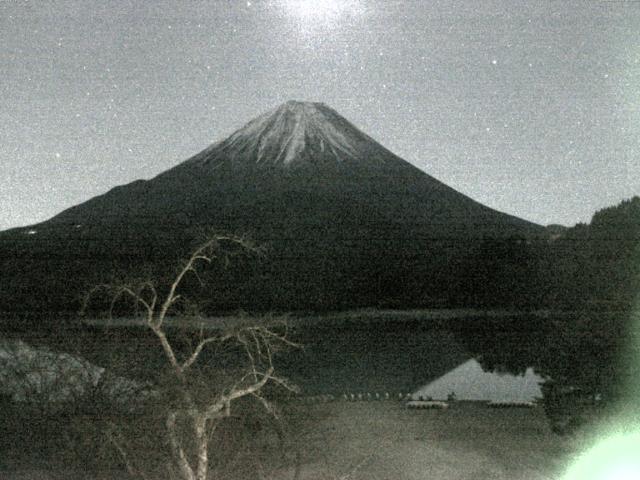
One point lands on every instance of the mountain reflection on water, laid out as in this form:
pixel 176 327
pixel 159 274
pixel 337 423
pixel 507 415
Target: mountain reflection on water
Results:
pixel 403 356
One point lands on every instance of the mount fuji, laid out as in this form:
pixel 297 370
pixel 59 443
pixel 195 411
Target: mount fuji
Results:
pixel 288 157
pixel 345 221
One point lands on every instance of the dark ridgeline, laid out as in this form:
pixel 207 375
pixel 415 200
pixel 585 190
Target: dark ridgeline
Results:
pixel 345 223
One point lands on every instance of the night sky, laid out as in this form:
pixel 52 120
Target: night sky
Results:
pixel 532 108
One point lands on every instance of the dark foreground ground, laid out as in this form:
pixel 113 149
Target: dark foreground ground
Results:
pixel 467 441
pixel 385 440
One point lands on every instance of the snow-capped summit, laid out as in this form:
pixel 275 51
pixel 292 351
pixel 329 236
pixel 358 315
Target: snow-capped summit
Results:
pixel 294 134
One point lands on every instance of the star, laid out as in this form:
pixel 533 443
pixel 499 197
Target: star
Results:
pixel 380 64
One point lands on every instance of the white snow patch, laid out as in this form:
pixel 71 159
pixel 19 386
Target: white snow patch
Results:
pixel 288 130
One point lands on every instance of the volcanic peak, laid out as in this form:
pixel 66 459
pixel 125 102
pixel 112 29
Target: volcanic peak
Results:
pixel 292 134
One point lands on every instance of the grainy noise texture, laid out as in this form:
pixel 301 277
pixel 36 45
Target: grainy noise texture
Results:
pixel 527 107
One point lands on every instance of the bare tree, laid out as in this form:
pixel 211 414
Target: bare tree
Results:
pixel 192 413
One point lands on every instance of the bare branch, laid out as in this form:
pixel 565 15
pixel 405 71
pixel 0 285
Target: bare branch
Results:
pixel 213 411
pixel 247 350
pixel 136 297
pixel 148 285
pixel 251 388
pixel 86 300
pixel 198 254
pixel 267 332
pixel 194 356
pixel 168 350
pixel 286 384
pixel 268 406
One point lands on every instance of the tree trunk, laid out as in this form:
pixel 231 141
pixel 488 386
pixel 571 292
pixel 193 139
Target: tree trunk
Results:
pixel 178 452
pixel 200 424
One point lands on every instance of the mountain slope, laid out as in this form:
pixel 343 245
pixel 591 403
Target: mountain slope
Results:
pixel 345 221
pixel 295 152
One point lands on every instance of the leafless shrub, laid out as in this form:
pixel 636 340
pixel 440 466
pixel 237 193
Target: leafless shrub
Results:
pixel 197 400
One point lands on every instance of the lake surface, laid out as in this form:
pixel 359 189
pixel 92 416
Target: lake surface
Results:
pixel 369 351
